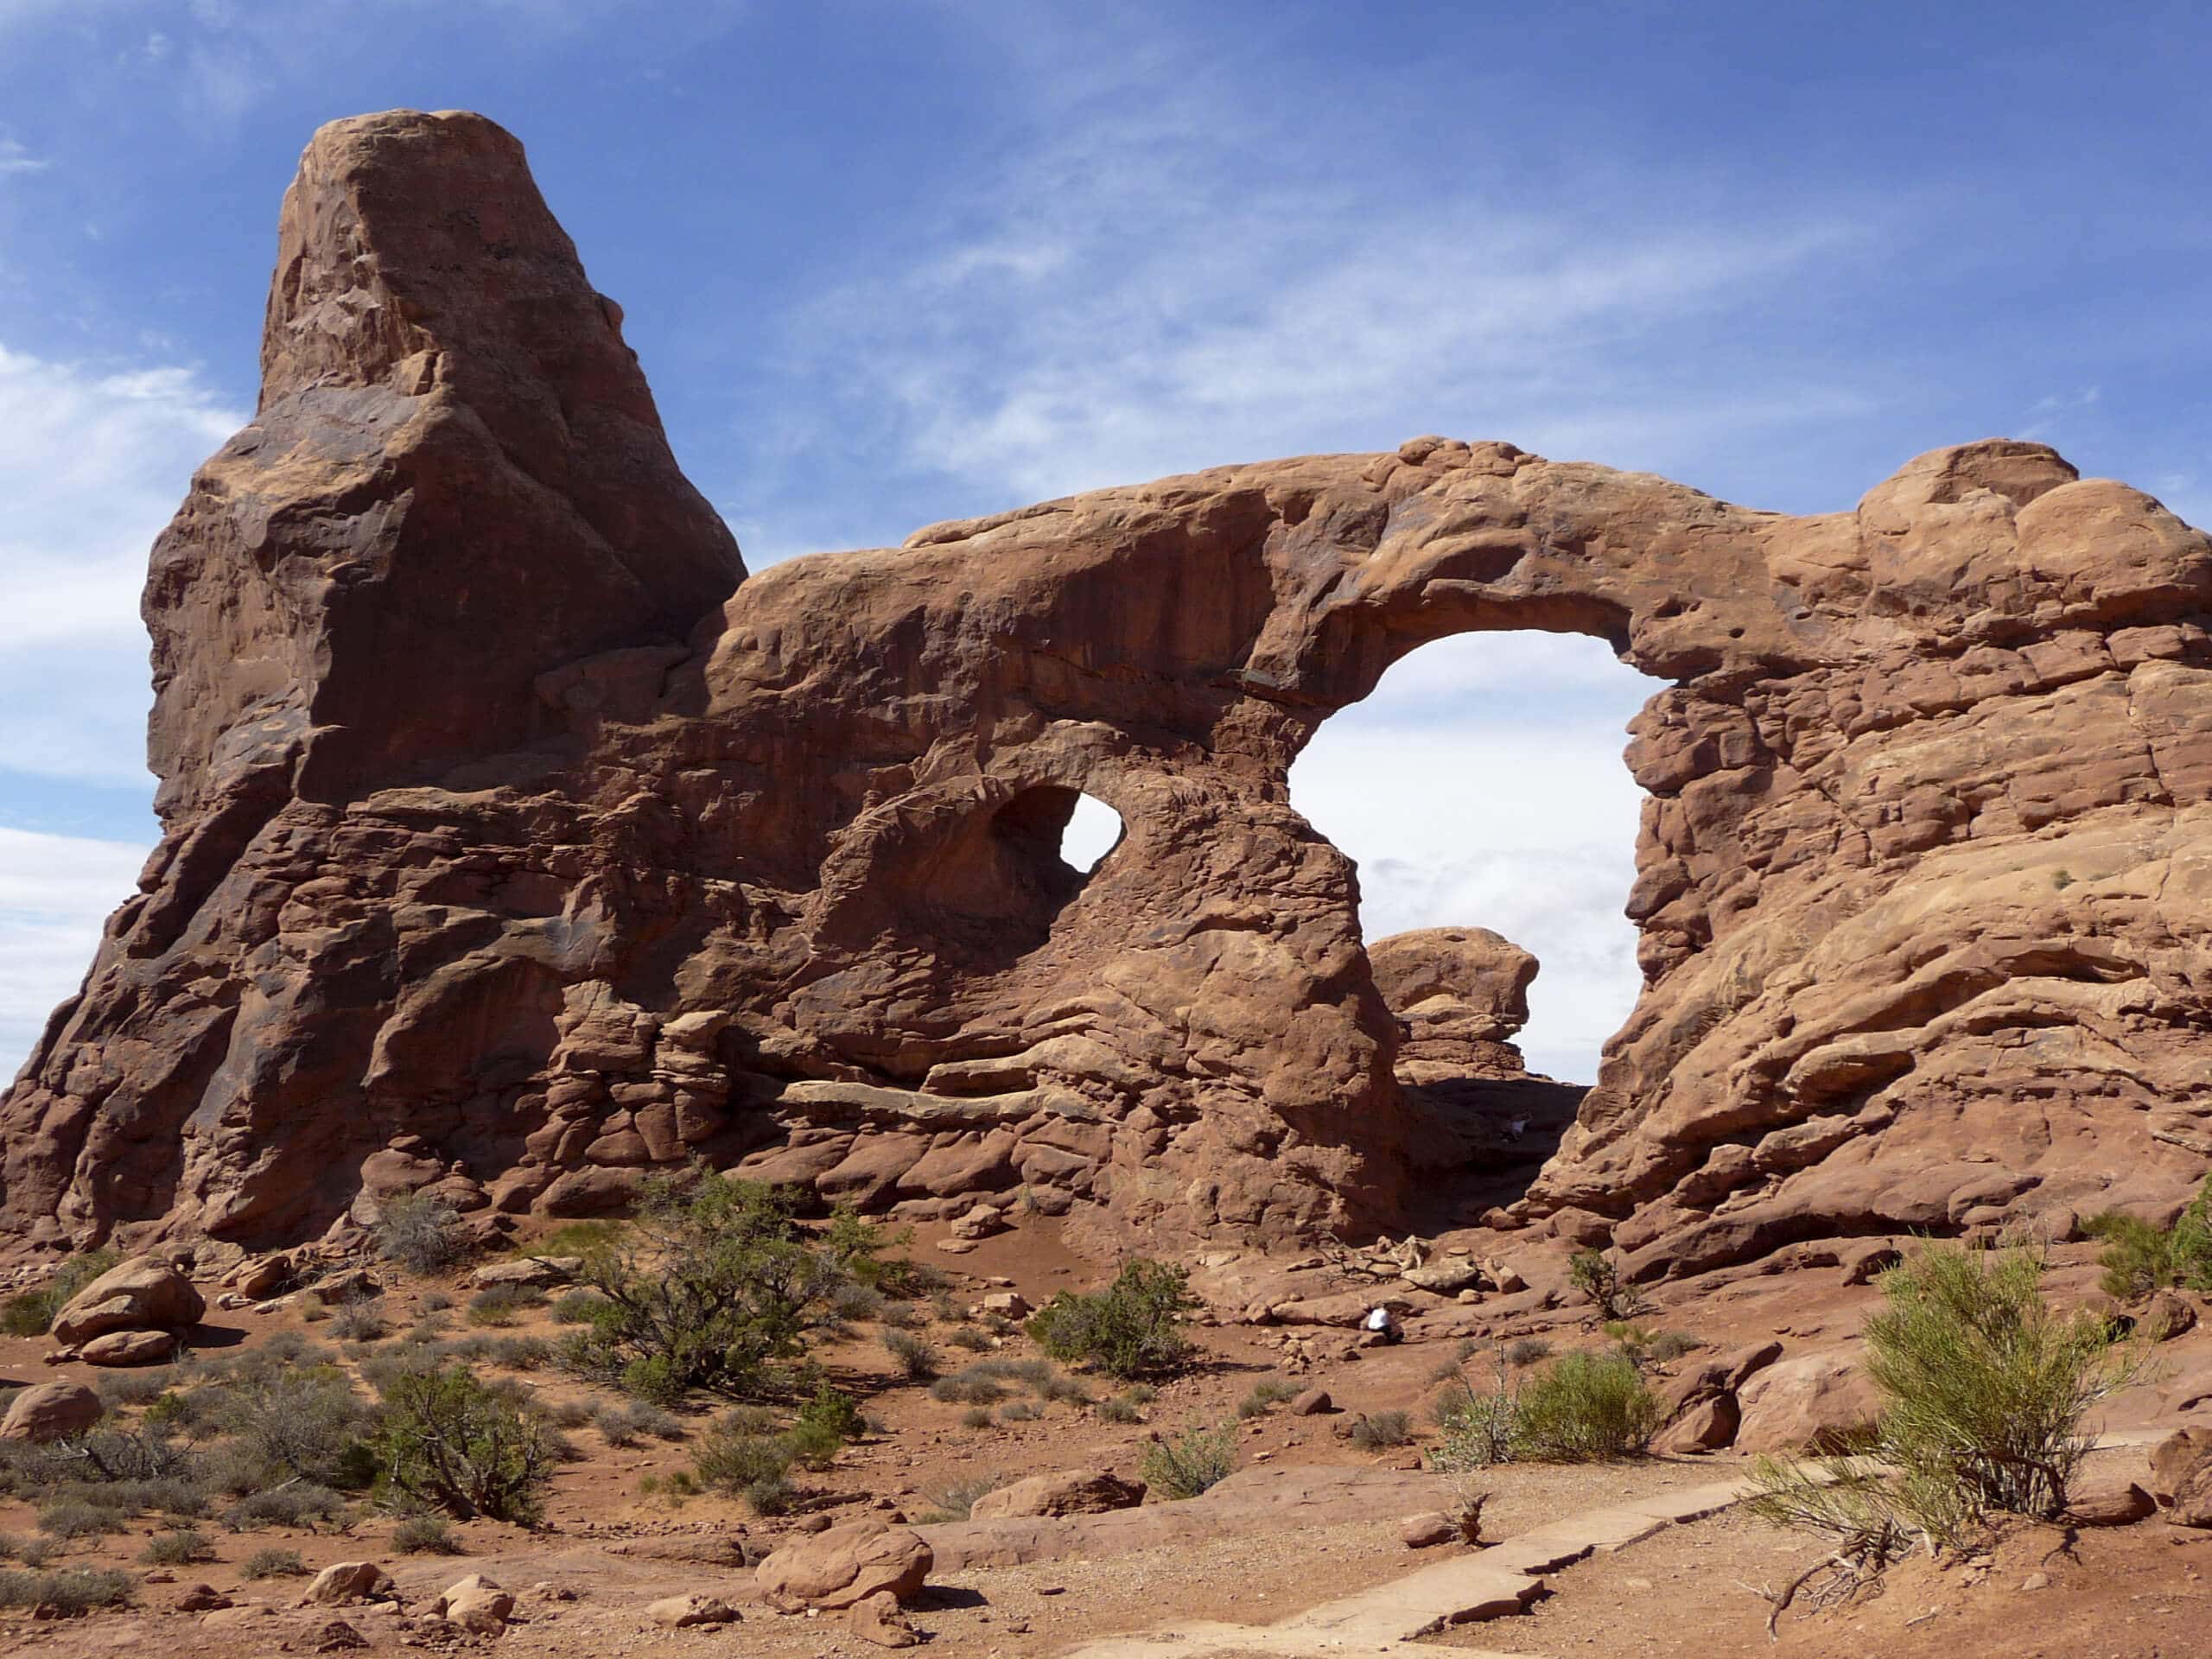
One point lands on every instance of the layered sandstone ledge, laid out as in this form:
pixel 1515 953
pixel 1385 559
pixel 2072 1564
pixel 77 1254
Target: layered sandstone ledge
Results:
pixel 516 843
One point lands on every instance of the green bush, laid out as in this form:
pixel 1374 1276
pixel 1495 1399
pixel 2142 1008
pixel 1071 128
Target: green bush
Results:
pixel 300 1424
pixel 1195 1460
pixel 1597 1277
pixel 971 1386
pixel 296 1504
pixel 1587 1409
pixel 422 1234
pixel 1984 1387
pixel 70 1591
pixel 1132 1328
pixel 713 1286
pixel 275 1564
pixel 186 1547
pixel 425 1535
pixel 916 1360
pixel 448 1441
pixel 828 1411
pixel 734 1454
pixel 1120 1408
pixel 2140 1258
pixel 30 1312
pixel 501 1305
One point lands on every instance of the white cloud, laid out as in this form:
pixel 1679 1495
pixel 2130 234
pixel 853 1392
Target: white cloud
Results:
pixel 14 158
pixel 1511 810
pixel 92 464
pixel 55 890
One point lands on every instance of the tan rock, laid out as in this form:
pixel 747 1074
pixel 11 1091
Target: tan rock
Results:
pixel 1065 1492
pixel 683 1612
pixel 347 1581
pixel 2176 1455
pixel 1312 1403
pixel 142 1293
pixel 2108 1496
pixel 51 1411
pixel 1816 1401
pixel 125 1348
pixel 840 1566
pixel 877 1618
pixel 476 1603
pixel 1427 1529
pixel 2169 1313
pixel 530 1273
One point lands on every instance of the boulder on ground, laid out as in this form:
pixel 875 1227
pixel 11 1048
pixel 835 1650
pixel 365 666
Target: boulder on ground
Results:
pixel 1312 1403
pixel 531 1273
pixel 2108 1496
pixel 2169 1314
pixel 143 1293
pixel 1821 1402
pixel 120 1348
pixel 2176 1455
pixel 475 1604
pixel 1005 1305
pixel 347 1581
pixel 1706 1426
pixel 51 1411
pixel 263 1276
pixel 353 1285
pixel 683 1612
pixel 876 1618
pixel 1063 1492
pixel 1430 1528
pixel 837 1567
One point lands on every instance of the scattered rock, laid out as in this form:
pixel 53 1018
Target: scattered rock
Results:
pixel 1005 1305
pixel 51 1411
pixel 682 1612
pixel 353 1285
pixel 2169 1313
pixel 476 1603
pixel 1312 1403
pixel 2176 1455
pixel 347 1581
pixel 844 1564
pixel 122 1348
pixel 1065 1492
pixel 531 1273
pixel 877 1618
pixel 200 1598
pixel 1706 1425
pixel 261 1276
pixel 338 1637
pixel 2107 1496
pixel 143 1293
pixel 1427 1530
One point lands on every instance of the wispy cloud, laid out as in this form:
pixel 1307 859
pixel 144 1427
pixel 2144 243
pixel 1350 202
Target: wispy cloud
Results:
pixel 54 892
pixel 92 463
pixel 15 159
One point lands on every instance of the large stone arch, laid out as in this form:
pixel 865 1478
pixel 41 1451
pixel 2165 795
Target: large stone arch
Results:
pixel 1922 885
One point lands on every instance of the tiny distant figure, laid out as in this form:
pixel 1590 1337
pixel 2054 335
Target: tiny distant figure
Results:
pixel 1380 1322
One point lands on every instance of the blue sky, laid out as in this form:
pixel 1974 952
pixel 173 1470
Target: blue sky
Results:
pixel 890 263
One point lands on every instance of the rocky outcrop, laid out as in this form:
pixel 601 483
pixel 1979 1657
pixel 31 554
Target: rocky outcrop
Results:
pixel 514 847
pixel 141 1294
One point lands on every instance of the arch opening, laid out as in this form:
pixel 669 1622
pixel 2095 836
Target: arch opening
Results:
pixel 1093 831
pixel 1481 785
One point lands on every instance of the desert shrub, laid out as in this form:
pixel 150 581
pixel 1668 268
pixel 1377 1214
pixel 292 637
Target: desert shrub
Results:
pixel 1381 1430
pixel 1059 1386
pixel 133 1388
pixel 1120 1408
pixel 437 1301
pixel 948 1309
pixel 296 1504
pixel 955 1500
pixel 1587 1409
pixel 501 1305
pixel 422 1234
pixel 977 1417
pixel 1524 1351
pixel 1475 1428
pixel 425 1535
pixel 713 1286
pixel 67 1591
pixel 30 1312
pixel 75 1517
pixel 734 1453
pixel 916 1360
pixel 813 1446
pixel 1196 1459
pixel 1132 1328
pixel 1266 1393
pixel 577 1307
pixel 360 1322
pixel 829 1411
pixel 974 1339
pixel 1598 1278
pixel 770 1494
pixel 898 1315
pixel 1018 1411
pixel 972 1386
pixel 2138 1258
pixel 184 1547
pixel 298 1424
pixel 275 1564
pixel 1674 1345
pixel 523 1353
pixel 450 1442
pixel 1984 1387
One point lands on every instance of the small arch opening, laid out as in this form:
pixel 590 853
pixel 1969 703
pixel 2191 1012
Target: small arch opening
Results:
pixel 1093 831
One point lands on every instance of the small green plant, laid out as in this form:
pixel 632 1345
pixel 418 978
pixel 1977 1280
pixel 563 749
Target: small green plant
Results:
pixel 1670 1345
pixel 954 1501
pixel 828 1411
pixel 1381 1430
pixel 185 1547
pixel 1266 1393
pixel 2138 1258
pixel 971 1386
pixel 424 1535
pixel 976 1417
pixel 1587 1409
pixel 577 1307
pixel 275 1564
pixel 501 1305
pixel 450 1442
pixel 1120 1408
pixel 68 1591
pixel 1524 1351
pixel 1598 1278
pixel 31 1313
pixel 1132 1328
pixel 422 1234
pixel 734 1455
pixel 1195 1460
pixel 916 1360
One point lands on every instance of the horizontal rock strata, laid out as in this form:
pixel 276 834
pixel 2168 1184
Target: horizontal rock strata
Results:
pixel 517 844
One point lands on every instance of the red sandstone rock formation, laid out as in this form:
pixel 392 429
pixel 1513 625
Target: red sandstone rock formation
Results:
pixel 496 857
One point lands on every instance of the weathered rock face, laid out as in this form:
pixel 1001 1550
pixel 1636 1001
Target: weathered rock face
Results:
pixel 497 854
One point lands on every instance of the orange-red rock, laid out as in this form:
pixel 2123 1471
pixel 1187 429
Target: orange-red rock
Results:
pixel 506 831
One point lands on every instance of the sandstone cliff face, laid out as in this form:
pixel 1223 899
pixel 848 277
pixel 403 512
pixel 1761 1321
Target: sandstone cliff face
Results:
pixel 497 856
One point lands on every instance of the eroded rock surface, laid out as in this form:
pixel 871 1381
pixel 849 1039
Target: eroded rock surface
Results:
pixel 514 847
